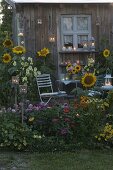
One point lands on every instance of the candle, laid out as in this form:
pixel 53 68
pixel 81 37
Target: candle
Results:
pixel 70 48
pixel 108 84
pixel 85 45
pixel 74 49
pixel 78 62
pixel 63 48
pixel 92 44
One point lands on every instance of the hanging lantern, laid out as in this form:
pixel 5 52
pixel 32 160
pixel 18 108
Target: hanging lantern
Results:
pixel 108 80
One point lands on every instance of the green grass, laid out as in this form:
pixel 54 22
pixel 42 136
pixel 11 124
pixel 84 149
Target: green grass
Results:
pixel 80 160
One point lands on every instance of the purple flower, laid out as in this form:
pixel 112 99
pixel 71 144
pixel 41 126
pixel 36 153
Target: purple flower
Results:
pixel 64 131
pixel 30 106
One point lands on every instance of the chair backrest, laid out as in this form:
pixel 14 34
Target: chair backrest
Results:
pixel 44 83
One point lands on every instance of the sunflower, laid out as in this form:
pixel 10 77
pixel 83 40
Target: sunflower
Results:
pixel 106 53
pixel 84 101
pixel 74 71
pixel 77 68
pixel 88 80
pixel 68 66
pixel 19 50
pixel 43 52
pixel 7 43
pixel 6 58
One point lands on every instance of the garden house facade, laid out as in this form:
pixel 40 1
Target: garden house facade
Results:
pixel 72 30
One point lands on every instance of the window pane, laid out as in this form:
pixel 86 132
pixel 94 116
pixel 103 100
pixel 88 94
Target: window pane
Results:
pixel 68 40
pixel 81 40
pixel 82 23
pixel 67 24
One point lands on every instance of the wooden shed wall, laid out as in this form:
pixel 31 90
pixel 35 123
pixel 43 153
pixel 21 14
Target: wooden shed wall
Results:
pixel 36 35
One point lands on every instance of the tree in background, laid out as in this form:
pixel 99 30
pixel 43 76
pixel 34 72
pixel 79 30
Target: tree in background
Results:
pixel 6 25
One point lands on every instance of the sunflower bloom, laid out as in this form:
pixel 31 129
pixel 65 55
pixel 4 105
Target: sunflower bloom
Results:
pixel 106 53
pixel 84 101
pixel 77 68
pixel 19 50
pixel 88 80
pixel 43 52
pixel 8 43
pixel 6 58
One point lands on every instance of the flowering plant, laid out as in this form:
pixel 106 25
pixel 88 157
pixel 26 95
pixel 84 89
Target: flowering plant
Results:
pixel 14 62
pixel 90 65
pixel 25 68
pixel 44 52
pixel 46 64
pixel 73 68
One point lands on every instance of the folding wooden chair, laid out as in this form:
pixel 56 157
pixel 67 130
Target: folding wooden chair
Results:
pixel 45 89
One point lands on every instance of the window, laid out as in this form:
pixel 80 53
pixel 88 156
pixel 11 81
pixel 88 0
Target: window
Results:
pixel 75 30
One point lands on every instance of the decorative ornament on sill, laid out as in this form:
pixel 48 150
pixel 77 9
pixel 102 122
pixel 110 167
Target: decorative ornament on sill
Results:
pixel 70 48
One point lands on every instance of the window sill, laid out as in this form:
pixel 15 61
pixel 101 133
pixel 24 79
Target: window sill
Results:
pixel 76 52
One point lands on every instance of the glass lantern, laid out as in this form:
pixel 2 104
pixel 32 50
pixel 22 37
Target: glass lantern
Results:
pixel 23 89
pixel 15 79
pixel 92 44
pixel 108 80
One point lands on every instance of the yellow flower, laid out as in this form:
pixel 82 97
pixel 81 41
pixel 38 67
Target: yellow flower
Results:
pixel 7 43
pixel 88 80
pixel 77 68
pixel 31 119
pixel 43 52
pixel 68 66
pixel 73 71
pixel 84 101
pixel 6 58
pixel 19 50
pixel 106 53
pixel 99 139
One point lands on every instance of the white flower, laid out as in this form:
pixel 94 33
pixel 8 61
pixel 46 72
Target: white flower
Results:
pixel 30 68
pixel 27 72
pixel 23 58
pixel 35 74
pixel 22 63
pixel 14 63
pixel 35 69
pixel 24 79
pixel 30 59
pixel 26 64
pixel 38 72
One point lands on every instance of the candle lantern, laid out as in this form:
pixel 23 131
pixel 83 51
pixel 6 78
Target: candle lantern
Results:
pixel 23 89
pixel 92 44
pixel 15 80
pixel 108 80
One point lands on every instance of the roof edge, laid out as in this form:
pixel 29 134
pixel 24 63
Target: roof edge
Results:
pixel 12 2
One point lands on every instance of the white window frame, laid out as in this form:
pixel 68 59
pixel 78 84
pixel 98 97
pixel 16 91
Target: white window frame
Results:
pixel 75 32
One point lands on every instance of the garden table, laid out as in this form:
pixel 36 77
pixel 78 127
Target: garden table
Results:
pixel 66 82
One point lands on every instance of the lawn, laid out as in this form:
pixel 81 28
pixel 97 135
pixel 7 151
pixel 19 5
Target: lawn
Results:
pixel 80 160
